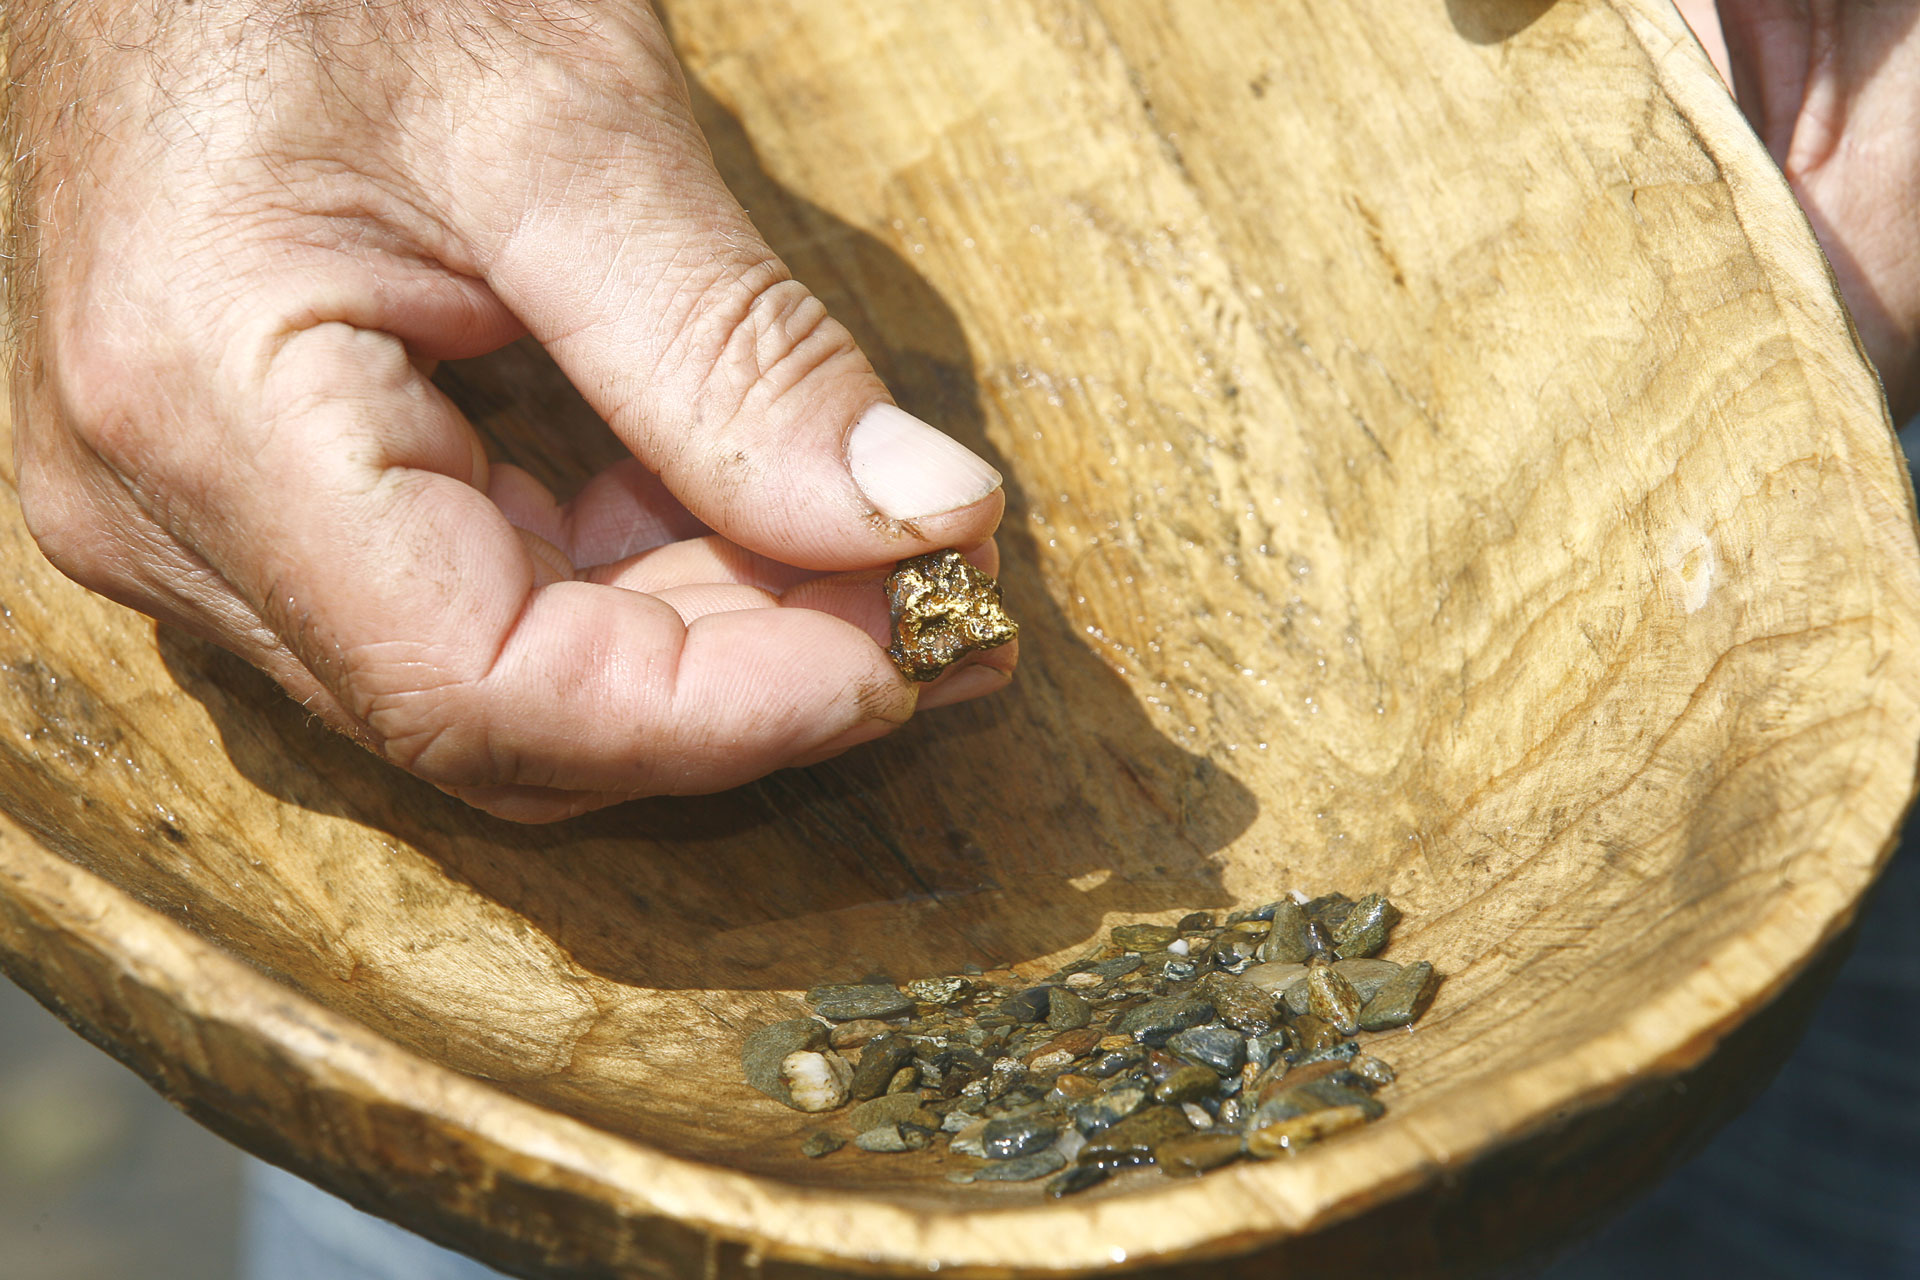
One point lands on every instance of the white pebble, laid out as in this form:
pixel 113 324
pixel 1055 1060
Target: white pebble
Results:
pixel 1177 947
pixel 1197 1115
pixel 816 1081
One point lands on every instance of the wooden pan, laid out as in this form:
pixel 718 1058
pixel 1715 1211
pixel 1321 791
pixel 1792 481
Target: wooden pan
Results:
pixel 1438 463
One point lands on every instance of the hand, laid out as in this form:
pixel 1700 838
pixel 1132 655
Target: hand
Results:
pixel 1833 89
pixel 252 226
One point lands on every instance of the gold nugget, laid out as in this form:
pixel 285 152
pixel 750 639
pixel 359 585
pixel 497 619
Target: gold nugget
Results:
pixel 943 609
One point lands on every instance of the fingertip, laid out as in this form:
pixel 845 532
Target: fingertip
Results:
pixel 911 470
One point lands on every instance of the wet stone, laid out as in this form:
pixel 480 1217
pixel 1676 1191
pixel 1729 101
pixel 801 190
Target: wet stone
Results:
pixel 1332 999
pixel 845 1004
pixel 942 608
pixel 1319 941
pixel 1233 951
pixel 939 991
pixel 1309 1034
pixel 1400 1000
pixel 1022 1168
pixel 1274 978
pixel 1364 931
pixel 1131 1141
pixel 815 1080
pixel 1286 943
pixel 1027 1006
pixel 1067 1010
pixel 1375 1071
pixel 1153 1022
pixel 1285 1137
pixel 1188 1084
pixel 886 1139
pixel 1190 1155
pixel 1331 1048
pixel 768 1047
pixel 1112 1062
pixel 1118 967
pixel 1018 1136
pixel 1143 937
pixel 1329 910
pixel 906 1078
pixel 1194 921
pixel 1082 981
pixel 892 1108
pixel 1220 1049
pixel 1240 1004
pixel 822 1143
pixel 1109 1108
pixel 881 1059
pixel 1265 1048
pixel 851 1035
pixel 1077 1179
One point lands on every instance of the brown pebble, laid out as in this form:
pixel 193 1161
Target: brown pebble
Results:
pixel 1075 1088
pixel 1190 1155
pixel 1331 998
pixel 904 1079
pixel 1287 1137
pixel 1077 1043
pixel 851 1035
pixel 1082 981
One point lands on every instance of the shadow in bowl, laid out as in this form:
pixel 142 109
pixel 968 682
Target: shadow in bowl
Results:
pixel 996 832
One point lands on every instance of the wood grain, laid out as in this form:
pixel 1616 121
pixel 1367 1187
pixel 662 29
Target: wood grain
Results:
pixel 1438 463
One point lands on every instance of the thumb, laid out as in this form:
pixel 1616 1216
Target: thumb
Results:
pixel 725 375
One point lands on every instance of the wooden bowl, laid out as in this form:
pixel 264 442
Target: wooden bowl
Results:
pixel 1438 463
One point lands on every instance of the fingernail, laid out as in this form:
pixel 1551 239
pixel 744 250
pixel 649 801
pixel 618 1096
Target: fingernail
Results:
pixel 972 681
pixel 907 469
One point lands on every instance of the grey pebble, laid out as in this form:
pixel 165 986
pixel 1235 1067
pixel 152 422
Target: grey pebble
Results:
pixel 1023 1169
pixel 1153 1022
pixel 1287 942
pixel 1068 1010
pixel 1027 1006
pixel 1018 1136
pixel 822 1144
pixel 1220 1048
pixel 1401 999
pixel 844 1004
pixel 1364 931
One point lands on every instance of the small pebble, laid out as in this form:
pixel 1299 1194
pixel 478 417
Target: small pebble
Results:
pixel 1332 999
pixel 892 1108
pixel 1286 943
pixel 1131 1141
pixel 851 1035
pixel 1067 1010
pixel 1027 1006
pixel 885 1139
pixel 1076 1179
pixel 1400 1000
pixel 939 990
pixel 822 1143
pixel 905 1079
pixel 846 1004
pixel 1287 1137
pixel 1154 1021
pixel 1143 937
pixel 1188 1084
pixel 767 1048
pixel 1194 921
pixel 1081 981
pixel 1364 930
pixel 881 1059
pixel 1190 1155
pixel 1018 1136
pixel 1219 1048
pixel 1109 1108
pixel 1023 1168
pixel 816 1080
pixel 1373 1070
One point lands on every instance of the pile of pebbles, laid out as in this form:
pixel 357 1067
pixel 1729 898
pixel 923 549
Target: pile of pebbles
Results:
pixel 1186 1046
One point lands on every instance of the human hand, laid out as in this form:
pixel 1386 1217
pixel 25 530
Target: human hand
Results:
pixel 248 229
pixel 1833 89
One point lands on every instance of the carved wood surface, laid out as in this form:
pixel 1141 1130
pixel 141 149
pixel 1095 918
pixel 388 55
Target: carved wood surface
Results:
pixel 1438 463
